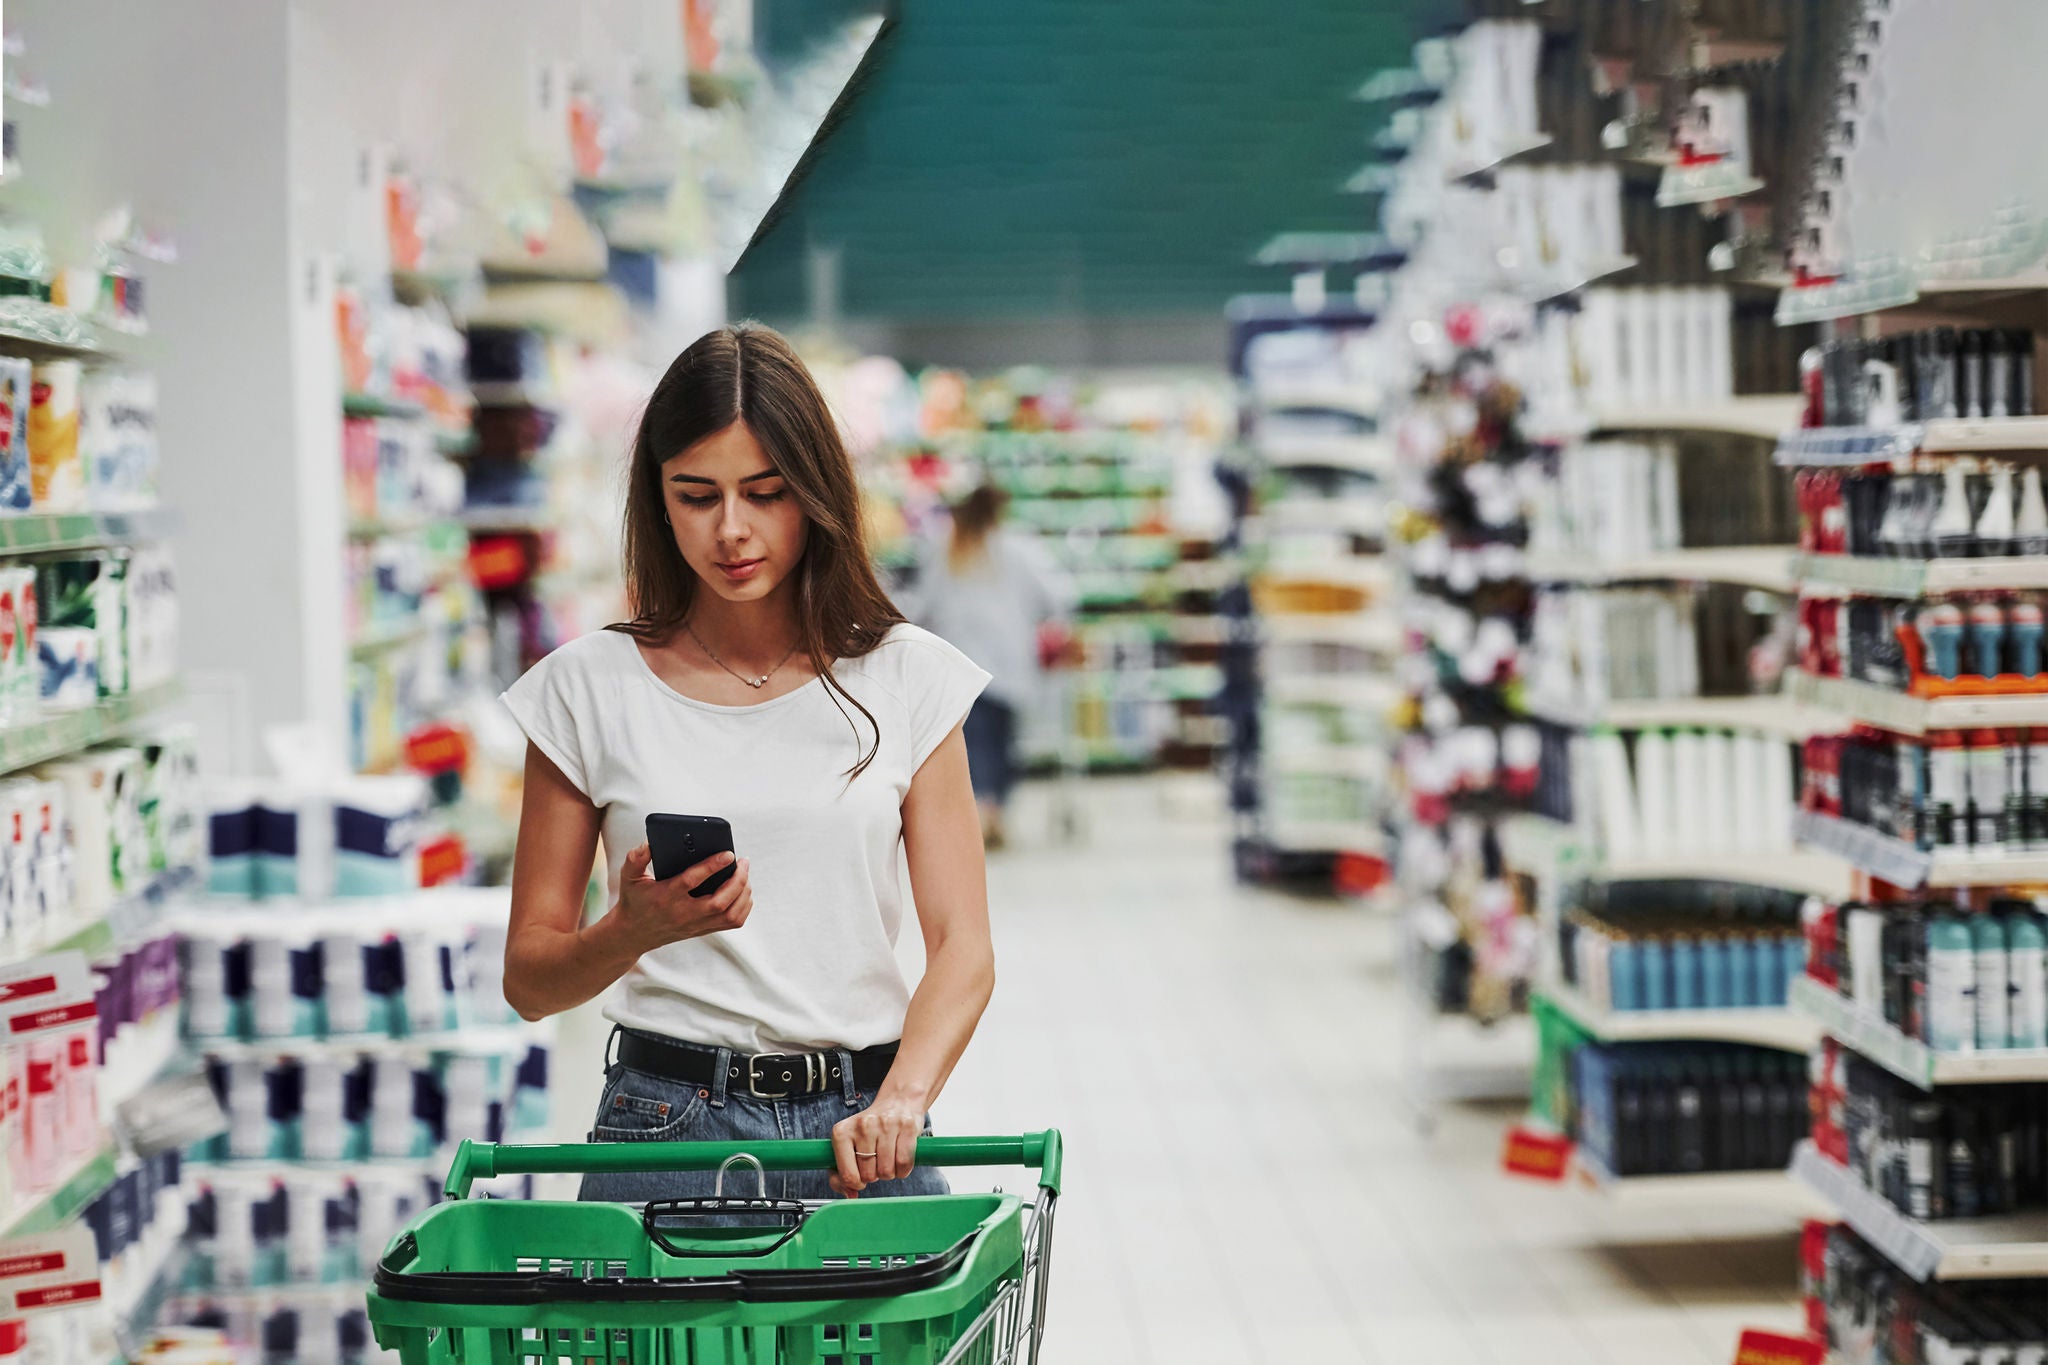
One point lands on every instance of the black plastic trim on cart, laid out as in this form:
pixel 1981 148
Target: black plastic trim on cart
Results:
pixel 513 1288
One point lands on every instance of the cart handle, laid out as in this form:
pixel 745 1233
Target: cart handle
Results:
pixel 481 1160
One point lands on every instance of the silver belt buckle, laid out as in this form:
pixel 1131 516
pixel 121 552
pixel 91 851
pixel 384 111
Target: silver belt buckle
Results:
pixel 788 1076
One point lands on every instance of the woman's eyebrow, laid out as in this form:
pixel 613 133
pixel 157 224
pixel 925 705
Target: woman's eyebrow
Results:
pixel 699 478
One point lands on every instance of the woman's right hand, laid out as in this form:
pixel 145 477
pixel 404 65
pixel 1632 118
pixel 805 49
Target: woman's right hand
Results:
pixel 652 913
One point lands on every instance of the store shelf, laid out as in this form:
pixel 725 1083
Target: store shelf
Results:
pixel 468 1040
pixel 1535 842
pixel 24 746
pixel 1908 1057
pixel 1770 567
pixel 1764 416
pixel 2010 1247
pixel 135 1321
pixel 385 639
pixel 1903 865
pixel 1715 1188
pixel 1708 184
pixel 1356 516
pixel 1364 690
pixel 501 394
pixel 1376 631
pixel 508 520
pixel 1510 151
pixel 376 405
pixel 1869 704
pixel 49 534
pixel 86 1181
pixel 1365 454
pixel 87 345
pixel 1880 855
pixel 1773 715
pixel 1325 836
pixel 1869 445
pixel 1775 1028
pixel 1366 762
pixel 126 920
pixel 1923 577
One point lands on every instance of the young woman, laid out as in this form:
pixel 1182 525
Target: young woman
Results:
pixel 990 593
pixel 767 679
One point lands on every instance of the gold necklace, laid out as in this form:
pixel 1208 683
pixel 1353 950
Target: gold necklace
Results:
pixel 711 654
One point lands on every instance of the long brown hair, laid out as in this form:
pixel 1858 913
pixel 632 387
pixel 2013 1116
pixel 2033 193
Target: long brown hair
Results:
pixel 974 517
pixel 749 373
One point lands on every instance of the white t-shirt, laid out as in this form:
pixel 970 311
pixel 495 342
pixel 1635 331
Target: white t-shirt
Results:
pixel 814 966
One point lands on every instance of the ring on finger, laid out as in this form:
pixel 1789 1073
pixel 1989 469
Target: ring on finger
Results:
pixel 870 1156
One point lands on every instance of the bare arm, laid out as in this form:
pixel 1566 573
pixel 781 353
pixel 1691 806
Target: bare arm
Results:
pixel 949 880
pixel 553 961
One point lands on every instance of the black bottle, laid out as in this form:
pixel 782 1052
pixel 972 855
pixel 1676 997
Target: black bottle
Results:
pixel 1964 1194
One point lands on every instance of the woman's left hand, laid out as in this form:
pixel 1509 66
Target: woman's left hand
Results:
pixel 878 1143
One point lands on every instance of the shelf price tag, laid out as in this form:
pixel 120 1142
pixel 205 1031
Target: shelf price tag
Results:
pixel 1758 1347
pixel 55 1270
pixel 1536 1154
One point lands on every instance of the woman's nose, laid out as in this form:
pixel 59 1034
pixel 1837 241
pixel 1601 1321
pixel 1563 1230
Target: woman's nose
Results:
pixel 732 523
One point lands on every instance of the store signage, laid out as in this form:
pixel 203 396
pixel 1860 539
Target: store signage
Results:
pixel 1536 1154
pixel 54 1270
pixel 1758 1347
pixel 46 992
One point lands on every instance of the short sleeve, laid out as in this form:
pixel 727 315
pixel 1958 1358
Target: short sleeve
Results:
pixel 546 701
pixel 939 685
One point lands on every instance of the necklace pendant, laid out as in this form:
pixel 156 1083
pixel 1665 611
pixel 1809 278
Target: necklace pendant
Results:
pixel 759 682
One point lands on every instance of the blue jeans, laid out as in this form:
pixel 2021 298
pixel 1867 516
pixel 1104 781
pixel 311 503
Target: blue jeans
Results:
pixel 991 735
pixel 639 1107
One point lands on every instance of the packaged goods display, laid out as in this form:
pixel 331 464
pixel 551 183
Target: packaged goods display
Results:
pixel 1920 376
pixel 1956 978
pixel 361 836
pixel 1872 1314
pixel 1960 1152
pixel 1678 962
pixel 1687 1108
pixel 1981 790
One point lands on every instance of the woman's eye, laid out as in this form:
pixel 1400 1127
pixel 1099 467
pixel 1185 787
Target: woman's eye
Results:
pixel 707 500
pixel 777 496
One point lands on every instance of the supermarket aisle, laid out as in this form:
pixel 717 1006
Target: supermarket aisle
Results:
pixel 1244 1183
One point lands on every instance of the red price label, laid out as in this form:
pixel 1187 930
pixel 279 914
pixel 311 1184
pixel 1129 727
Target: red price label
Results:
pixel 1538 1155
pixel 57 1295
pixel 1758 1347
pixel 35 1263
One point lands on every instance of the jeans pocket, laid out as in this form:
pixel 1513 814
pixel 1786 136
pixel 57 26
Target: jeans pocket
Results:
pixel 637 1107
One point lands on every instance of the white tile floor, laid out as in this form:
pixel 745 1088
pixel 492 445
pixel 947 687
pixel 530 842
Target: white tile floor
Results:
pixel 1245 1181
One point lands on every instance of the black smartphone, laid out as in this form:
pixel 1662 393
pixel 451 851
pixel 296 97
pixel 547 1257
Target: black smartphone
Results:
pixel 680 842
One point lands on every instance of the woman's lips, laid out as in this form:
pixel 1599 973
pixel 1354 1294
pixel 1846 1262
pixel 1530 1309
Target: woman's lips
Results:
pixel 741 570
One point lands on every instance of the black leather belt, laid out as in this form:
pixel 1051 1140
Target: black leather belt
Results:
pixel 765 1075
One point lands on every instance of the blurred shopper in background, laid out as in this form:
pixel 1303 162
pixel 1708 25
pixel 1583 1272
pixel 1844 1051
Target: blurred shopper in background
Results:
pixel 991 593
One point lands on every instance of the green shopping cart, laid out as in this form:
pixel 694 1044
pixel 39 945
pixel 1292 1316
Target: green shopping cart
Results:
pixel 955 1279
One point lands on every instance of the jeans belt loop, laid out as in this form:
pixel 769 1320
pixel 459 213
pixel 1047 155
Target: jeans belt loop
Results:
pixel 721 1072
pixel 847 1087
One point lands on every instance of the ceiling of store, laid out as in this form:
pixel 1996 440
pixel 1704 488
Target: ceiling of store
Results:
pixel 1041 158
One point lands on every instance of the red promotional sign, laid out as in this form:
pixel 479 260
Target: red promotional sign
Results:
pixel 1758 1347
pixel 35 1263
pixel 57 1295
pixel 1538 1155
pixel 27 986
pixel 54 1018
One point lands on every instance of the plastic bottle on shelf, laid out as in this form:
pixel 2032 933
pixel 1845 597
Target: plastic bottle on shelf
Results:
pixel 1954 530
pixel 2027 970
pixel 2030 522
pixel 1951 1022
pixel 1996 526
pixel 1993 972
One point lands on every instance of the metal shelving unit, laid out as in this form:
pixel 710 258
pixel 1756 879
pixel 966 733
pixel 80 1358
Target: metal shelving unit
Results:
pixel 2010 1247
pixel 1908 1057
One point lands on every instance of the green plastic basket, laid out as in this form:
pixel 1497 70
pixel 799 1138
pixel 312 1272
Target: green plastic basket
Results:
pixel 936 1280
